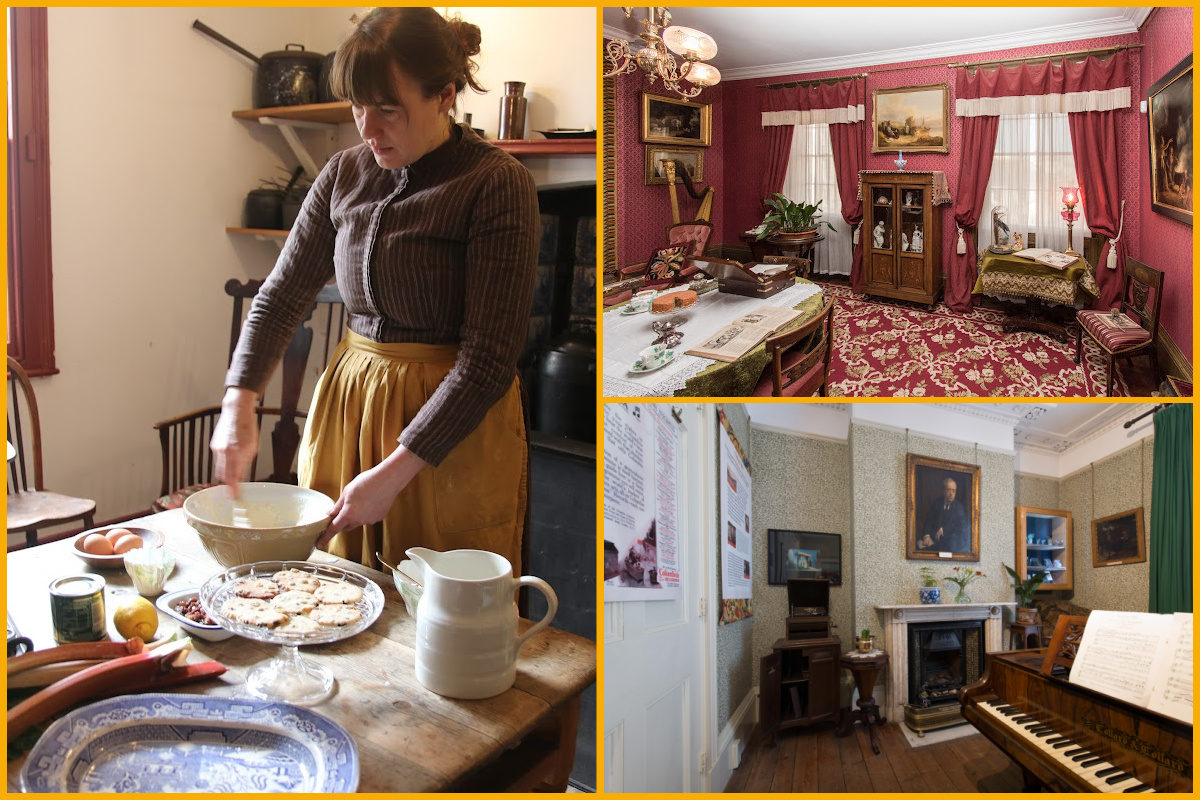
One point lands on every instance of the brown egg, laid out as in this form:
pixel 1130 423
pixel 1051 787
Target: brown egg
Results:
pixel 94 544
pixel 113 534
pixel 126 543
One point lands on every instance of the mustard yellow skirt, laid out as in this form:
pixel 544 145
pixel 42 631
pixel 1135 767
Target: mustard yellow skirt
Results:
pixel 474 499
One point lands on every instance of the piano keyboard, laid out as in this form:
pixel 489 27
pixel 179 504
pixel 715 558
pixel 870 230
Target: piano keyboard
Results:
pixel 1102 776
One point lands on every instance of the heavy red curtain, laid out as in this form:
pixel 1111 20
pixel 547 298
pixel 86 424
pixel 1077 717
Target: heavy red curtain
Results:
pixel 841 105
pixel 1094 145
pixel 778 146
pixel 849 142
pixel 975 167
pixel 1091 92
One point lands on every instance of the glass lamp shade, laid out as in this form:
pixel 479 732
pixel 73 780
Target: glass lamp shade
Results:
pixel 704 74
pixel 690 43
pixel 1070 195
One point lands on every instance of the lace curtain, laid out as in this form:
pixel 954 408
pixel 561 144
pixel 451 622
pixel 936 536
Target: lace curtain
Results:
pixel 1033 159
pixel 812 176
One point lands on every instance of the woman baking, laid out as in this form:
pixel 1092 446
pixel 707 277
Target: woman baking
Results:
pixel 432 234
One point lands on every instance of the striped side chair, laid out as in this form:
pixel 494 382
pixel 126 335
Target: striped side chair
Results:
pixel 1140 302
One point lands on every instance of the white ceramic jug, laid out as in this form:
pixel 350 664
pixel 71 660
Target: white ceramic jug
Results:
pixel 467 639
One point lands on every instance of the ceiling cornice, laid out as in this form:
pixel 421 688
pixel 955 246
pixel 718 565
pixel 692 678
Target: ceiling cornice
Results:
pixel 617 33
pixel 1138 15
pixel 1127 411
pixel 1114 26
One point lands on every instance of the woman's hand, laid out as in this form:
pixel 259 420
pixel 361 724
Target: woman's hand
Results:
pixel 369 497
pixel 235 438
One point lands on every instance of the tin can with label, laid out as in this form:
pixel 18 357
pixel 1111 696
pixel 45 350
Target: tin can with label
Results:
pixel 77 608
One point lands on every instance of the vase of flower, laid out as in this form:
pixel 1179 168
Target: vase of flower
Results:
pixel 961 578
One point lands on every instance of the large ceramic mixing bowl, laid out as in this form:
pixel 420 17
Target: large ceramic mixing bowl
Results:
pixel 268 522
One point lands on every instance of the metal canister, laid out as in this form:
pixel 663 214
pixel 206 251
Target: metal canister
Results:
pixel 77 608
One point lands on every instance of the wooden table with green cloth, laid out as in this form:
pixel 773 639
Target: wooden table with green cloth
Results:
pixel 625 334
pixel 1051 294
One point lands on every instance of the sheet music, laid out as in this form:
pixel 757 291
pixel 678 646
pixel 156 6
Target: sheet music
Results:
pixel 1171 681
pixel 1118 651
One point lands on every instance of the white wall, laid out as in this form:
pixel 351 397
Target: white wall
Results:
pixel 147 170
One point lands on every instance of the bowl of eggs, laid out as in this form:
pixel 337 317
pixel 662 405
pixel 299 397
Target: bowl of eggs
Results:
pixel 105 548
pixel 266 522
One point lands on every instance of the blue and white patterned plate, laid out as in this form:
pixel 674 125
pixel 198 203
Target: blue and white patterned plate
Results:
pixel 192 743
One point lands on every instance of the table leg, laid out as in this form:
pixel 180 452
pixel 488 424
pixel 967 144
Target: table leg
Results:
pixel 1037 317
pixel 567 723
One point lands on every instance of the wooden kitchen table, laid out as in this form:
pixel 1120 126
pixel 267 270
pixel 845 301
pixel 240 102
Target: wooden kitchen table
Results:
pixel 409 739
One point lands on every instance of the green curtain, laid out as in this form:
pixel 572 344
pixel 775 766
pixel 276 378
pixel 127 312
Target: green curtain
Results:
pixel 1171 511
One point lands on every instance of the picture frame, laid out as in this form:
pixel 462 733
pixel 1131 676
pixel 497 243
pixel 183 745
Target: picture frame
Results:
pixel 669 120
pixel 943 525
pixel 915 119
pixel 692 158
pixel 1118 539
pixel 803 554
pixel 1169 108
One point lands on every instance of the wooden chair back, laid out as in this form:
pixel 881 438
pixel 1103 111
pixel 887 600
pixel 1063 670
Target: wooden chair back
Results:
pixel 820 351
pixel 1143 295
pixel 187 461
pixel 24 429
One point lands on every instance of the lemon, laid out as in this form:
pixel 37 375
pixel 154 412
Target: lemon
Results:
pixel 135 616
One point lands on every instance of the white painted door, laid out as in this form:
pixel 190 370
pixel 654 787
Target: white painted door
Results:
pixel 655 682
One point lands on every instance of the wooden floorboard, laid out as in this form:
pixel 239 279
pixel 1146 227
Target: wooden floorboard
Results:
pixel 815 760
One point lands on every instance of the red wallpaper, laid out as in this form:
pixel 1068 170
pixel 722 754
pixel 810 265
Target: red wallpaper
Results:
pixel 643 212
pixel 1166 243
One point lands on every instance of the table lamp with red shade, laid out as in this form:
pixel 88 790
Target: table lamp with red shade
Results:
pixel 1070 198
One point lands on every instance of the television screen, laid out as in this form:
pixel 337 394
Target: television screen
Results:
pixel 803 554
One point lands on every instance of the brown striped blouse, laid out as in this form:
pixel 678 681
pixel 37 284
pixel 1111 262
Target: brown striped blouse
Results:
pixel 443 251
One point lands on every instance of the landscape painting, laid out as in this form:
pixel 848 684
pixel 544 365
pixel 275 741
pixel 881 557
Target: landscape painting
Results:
pixel 912 119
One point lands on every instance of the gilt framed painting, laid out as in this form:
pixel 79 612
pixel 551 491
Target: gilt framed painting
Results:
pixel 1170 114
pixel 1118 539
pixel 913 119
pixel 668 120
pixel 943 509
pixel 691 158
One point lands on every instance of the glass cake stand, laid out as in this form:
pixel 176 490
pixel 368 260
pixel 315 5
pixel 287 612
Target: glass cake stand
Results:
pixel 288 677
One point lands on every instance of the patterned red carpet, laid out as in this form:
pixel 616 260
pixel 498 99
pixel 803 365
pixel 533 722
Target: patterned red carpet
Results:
pixel 895 349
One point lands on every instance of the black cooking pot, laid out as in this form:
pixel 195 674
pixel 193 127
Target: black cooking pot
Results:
pixel 288 77
pixel 263 209
pixel 566 387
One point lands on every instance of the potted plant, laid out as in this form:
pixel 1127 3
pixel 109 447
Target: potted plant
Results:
pixel 791 220
pixel 866 642
pixel 931 593
pixel 1025 589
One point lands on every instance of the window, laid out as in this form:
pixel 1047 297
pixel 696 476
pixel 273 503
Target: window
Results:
pixel 1033 160
pixel 30 304
pixel 812 176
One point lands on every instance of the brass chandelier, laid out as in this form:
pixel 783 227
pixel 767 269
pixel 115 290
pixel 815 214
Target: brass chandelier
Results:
pixel 693 46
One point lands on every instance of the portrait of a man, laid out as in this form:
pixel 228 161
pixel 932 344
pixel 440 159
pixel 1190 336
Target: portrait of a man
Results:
pixel 943 509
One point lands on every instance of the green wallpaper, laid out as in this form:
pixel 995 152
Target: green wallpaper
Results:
pixel 735 663
pixel 1122 482
pixel 1037 491
pixel 800 483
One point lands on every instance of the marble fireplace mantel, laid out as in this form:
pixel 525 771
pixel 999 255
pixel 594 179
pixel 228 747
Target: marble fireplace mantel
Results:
pixel 896 620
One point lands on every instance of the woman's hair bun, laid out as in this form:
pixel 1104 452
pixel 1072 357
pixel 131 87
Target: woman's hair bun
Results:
pixel 468 35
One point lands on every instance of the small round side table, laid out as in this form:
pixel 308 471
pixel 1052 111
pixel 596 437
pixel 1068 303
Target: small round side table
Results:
pixel 1019 634
pixel 865 670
